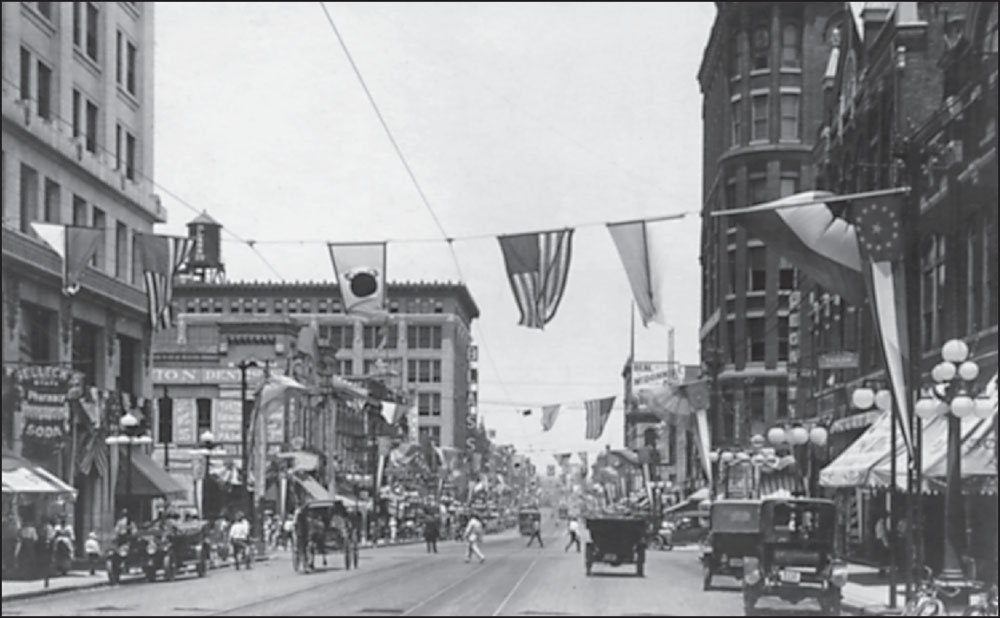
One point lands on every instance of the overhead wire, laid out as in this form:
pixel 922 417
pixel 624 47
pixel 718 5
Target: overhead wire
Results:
pixel 138 172
pixel 413 177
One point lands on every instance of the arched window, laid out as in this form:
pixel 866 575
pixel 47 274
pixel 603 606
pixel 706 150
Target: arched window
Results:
pixel 791 46
pixel 761 47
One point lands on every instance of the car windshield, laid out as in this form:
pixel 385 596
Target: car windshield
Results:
pixel 802 520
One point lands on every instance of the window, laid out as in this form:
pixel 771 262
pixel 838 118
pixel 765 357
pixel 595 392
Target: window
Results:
pixel 39 334
pixel 761 48
pixel 790 116
pixel 80 214
pixel 757 271
pixel 757 186
pixel 786 277
pixel 736 111
pixel 84 350
pixel 756 338
pixel 204 416
pixel 119 57
pixel 932 282
pixel 29 197
pixel 121 250
pixel 790 43
pixel 342 337
pixel 100 221
pixel 424 370
pixel 91 127
pixel 52 201
pixel 165 420
pixel 118 146
pixel 44 9
pixel 44 91
pixel 432 433
pixel 131 52
pixel 782 340
pixel 429 404
pixel 737 56
pixel 423 337
pixel 759 120
pixel 345 367
pixel 25 74
pixel 731 266
pixel 126 54
pixel 789 184
pixel 85 24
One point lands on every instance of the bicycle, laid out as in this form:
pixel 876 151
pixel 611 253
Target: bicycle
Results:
pixel 982 601
pixel 925 601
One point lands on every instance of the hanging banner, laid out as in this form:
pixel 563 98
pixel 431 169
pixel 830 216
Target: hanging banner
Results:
pixel 227 420
pixel 44 395
pixel 185 421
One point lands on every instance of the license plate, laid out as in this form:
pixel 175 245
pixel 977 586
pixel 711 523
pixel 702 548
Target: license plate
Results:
pixel 977 599
pixel 791 577
pixel 736 562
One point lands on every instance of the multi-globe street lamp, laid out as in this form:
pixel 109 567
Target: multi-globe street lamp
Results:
pixel 131 432
pixel 953 396
pixel 208 448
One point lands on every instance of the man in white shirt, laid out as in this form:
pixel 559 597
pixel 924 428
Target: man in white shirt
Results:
pixel 473 534
pixel 239 537
pixel 574 535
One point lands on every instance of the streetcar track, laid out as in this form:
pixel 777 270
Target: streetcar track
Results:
pixel 516 586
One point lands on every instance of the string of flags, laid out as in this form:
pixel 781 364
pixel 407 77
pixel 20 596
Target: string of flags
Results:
pixel 597 412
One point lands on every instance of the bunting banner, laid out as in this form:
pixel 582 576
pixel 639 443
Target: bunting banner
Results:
pixel 360 269
pixel 162 257
pixel 538 267
pixel 562 459
pixel 75 245
pixel 811 236
pixel 598 411
pixel 879 228
pixel 631 240
pixel 549 414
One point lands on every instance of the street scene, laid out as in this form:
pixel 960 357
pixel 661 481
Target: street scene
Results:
pixel 494 309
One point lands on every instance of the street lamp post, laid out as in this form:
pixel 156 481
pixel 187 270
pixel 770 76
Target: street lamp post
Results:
pixel 207 441
pixel 243 365
pixel 130 433
pixel 953 392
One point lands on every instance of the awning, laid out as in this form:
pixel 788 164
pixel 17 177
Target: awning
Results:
pixel 313 489
pixel 979 456
pixel 20 476
pixel 851 468
pixel 348 502
pixel 147 478
pixel 855 421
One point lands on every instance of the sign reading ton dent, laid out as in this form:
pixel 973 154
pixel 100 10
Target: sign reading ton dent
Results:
pixel 208 375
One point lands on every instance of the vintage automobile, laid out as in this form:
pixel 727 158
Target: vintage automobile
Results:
pixel 128 553
pixel 795 559
pixel 322 525
pixel 175 545
pixel 684 527
pixel 734 535
pixel 526 519
pixel 616 540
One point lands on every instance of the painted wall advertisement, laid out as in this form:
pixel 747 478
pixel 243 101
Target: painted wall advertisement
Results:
pixel 185 421
pixel 44 393
pixel 227 421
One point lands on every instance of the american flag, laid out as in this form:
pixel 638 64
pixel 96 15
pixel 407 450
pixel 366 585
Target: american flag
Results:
pixel 598 411
pixel 537 266
pixel 162 257
pixel 880 229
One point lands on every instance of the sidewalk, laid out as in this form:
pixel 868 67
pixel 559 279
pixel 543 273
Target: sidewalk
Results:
pixel 867 592
pixel 75 580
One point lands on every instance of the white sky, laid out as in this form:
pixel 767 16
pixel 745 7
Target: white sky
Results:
pixel 513 117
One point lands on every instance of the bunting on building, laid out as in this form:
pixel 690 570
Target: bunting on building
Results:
pixel 75 245
pixel 538 267
pixel 631 240
pixel 162 258
pixel 549 414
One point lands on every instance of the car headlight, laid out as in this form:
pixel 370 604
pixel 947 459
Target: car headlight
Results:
pixel 751 571
pixel 838 574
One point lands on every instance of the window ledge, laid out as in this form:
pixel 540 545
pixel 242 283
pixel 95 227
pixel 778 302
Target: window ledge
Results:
pixel 791 70
pixel 131 8
pixel 44 23
pixel 130 99
pixel 759 142
pixel 87 61
pixel 797 140
pixel 756 72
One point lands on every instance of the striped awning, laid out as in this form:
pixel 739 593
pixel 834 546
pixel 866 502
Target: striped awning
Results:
pixel 782 483
pixel 22 477
pixel 855 421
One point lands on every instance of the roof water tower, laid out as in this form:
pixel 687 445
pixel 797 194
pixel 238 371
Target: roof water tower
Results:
pixel 205 263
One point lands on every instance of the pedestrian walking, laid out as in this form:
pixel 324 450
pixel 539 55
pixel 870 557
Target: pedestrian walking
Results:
pixel 884 547
pixel 574 535
pixel 92 547
pixel 536 533
pixel 473 534
pixel 431 532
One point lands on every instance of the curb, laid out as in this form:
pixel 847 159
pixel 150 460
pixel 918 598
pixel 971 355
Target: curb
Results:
pixel 871 609
pixel 41 592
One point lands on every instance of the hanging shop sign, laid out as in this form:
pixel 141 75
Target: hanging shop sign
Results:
pixel 44 393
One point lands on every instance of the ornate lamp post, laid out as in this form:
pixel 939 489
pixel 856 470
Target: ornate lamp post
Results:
pixel 243 365
pixel 953 392
pixel 208 444
pixel 130 433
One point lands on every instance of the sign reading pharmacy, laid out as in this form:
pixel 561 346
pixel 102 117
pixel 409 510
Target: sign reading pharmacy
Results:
pixel 207 375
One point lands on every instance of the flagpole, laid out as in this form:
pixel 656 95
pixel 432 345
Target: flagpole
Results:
pixel 784 203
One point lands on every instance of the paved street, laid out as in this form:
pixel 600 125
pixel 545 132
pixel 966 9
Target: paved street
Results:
pixel 404 580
